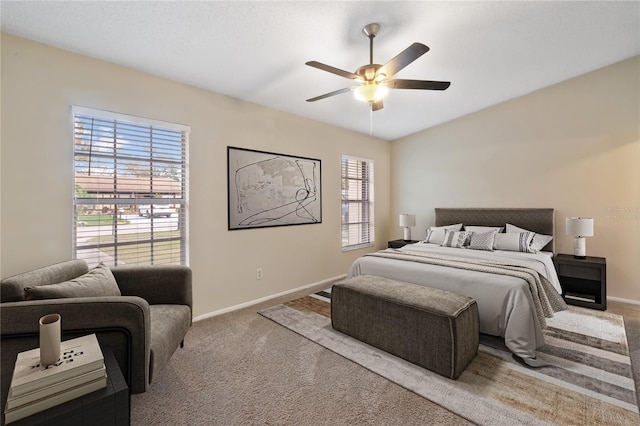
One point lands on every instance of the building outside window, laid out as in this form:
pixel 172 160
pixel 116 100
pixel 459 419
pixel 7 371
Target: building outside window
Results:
pixel 357 203
pixel 131 184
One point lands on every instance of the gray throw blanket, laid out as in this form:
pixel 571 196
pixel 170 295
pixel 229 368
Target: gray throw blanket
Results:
pixel 546 299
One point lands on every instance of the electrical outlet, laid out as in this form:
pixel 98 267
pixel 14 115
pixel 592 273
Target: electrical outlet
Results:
pixel 259 274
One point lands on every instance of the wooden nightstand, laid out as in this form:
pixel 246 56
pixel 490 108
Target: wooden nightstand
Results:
pixel 400 243
pixel 583 281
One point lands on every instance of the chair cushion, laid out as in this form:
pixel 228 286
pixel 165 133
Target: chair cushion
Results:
pixel 169 324
pixel 97 282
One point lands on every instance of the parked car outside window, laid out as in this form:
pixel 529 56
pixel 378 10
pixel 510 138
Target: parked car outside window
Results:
pixel 148 210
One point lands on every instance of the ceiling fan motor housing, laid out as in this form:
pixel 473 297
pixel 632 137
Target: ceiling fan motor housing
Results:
pixel 368 72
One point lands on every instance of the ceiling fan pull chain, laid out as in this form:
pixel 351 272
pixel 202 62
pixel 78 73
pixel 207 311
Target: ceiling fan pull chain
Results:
pixel 371 122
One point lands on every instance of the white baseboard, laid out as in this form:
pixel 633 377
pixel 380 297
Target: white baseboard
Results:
pixel 621 300
pixel 264 299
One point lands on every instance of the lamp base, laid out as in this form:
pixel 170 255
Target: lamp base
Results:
pixel 579 248
pixel 407 234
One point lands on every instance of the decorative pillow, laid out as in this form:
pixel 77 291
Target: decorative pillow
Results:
pixel 435 234
pixel 520 241
pixel 97 282
pixel 483 229
pixel 482 241
pixel 455 238
pixel 539 240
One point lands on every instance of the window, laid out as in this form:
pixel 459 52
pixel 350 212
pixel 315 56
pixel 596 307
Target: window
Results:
pixel 130 201
pixel 357 203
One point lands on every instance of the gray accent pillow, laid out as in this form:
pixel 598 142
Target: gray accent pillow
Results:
pixel 435 234
pixel 514 241
pixel 455 238
pixel 482 241
pixel 97 282
pixel 482 229
pixel 539 240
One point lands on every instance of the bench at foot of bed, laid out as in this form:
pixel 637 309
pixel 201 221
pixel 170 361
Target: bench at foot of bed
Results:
pixel 432 328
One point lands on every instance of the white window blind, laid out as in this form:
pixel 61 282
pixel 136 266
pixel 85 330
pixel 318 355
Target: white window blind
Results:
pixel 130 203
pixel 357 203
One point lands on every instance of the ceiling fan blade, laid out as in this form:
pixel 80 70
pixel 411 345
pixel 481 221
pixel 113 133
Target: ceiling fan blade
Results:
pixel 403 59
pixel 418 84
pixel 333 70
pixel 327 95
pixel 376 106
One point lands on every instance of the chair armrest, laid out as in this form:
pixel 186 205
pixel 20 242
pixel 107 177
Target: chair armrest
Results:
pixel 161 284
pixel 88 315
pixel 131 313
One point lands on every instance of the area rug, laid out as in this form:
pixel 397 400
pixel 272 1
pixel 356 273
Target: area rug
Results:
pixel 589 379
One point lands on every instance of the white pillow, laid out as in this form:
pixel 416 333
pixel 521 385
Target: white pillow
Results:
pixel 514 241
pixel 483 229
pixel 482 241
pixel 539 240
pixel 455 238
pixel 435 234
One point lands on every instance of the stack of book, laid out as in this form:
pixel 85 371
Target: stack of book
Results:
pixel 34 388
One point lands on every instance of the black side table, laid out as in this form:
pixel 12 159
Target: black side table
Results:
pixel 583 281
pixel 400 243
pixel 107 406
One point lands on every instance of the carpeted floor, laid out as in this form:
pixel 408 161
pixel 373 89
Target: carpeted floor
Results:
pixel 241 368
pixel 588 380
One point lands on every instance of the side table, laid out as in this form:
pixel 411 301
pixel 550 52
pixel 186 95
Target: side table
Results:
pixel 107 406
pixel 583 281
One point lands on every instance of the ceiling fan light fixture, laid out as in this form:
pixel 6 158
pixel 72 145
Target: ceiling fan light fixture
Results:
pixel 371 92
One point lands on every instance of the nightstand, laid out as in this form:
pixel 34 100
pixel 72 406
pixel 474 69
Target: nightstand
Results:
pixel 400 243
pixel 583 281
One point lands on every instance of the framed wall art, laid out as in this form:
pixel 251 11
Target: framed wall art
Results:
pixel 268 189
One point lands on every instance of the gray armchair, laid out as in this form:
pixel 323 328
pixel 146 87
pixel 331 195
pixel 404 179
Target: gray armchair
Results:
pixel 143 327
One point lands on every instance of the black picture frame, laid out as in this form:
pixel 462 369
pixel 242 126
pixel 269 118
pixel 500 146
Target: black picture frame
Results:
pixel 267 189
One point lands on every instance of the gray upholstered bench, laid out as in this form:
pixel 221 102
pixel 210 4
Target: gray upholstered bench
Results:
pixel 435 329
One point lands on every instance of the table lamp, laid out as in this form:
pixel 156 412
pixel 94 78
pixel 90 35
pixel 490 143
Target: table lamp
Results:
pixel 580 227
pixel 407 221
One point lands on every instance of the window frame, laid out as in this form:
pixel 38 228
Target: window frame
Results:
pixel 370 201
pixel 115 200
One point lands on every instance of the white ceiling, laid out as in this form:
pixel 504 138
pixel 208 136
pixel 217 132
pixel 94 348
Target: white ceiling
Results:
pixel 256 51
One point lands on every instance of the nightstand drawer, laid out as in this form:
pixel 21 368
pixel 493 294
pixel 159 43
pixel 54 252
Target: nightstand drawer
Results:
pixel 579 271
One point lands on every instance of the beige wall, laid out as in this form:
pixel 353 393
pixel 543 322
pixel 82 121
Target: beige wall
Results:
pixel 39 86
pixel 574 146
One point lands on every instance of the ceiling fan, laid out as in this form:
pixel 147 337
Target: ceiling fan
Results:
pixel 375 80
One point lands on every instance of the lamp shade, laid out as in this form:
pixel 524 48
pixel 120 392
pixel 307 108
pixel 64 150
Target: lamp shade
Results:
pixel 580 226
pixel 407 220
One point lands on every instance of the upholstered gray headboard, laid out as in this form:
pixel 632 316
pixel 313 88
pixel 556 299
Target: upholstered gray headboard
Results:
pixel 540 221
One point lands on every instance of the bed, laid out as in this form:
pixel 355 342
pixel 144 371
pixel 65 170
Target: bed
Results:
pixel 515 291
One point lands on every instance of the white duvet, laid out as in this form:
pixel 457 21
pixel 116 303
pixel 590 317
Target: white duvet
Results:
pixel 505 304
